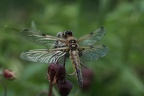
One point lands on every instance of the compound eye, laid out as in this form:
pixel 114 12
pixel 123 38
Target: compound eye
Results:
pixel 64 35
pixel 69 33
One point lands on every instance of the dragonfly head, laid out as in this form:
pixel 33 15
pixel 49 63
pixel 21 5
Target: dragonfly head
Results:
pixel 67 34
pixel 60 34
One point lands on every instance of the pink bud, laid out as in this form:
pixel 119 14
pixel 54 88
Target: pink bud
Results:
pixel 64 87
pixel 87 78
pixel 56 72
pixel 9 74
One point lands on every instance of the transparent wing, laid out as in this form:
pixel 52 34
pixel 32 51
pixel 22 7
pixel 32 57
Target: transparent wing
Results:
pixel 58 43
pixel 40 38
pixel 42 55
pixel 92 38
pixel 93 52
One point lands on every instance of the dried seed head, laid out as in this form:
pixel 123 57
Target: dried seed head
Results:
pixel 64 87
pixel 9 74
pixel 87 73
pixel 56 72
pixel 87 78
pixel 61 73
pixel 86 84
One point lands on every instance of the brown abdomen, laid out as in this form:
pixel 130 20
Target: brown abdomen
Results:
pixel 76 62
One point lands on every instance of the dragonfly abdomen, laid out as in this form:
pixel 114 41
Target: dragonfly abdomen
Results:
pixel 76 62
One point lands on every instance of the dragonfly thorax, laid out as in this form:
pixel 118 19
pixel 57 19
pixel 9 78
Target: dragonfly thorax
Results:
pixel 72 44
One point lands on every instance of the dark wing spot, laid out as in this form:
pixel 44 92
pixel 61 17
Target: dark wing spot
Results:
pixel 43 34
pixel 81 49
pixel 91 47
pixel 102 27
pixel 104 45
pixel 91 33
pixel 25 29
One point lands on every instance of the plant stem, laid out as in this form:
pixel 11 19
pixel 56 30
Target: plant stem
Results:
pixel 50 89
pixel 4 86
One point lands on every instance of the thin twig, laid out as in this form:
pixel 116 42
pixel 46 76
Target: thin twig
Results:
pixel 4 86
pixel 50 90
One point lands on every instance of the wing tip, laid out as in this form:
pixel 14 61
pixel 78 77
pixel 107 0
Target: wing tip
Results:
pixel 106 47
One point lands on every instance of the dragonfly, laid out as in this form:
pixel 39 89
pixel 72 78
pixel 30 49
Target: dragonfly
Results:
pixel 65 45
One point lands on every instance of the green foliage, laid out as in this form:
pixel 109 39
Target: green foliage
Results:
pixel 119 73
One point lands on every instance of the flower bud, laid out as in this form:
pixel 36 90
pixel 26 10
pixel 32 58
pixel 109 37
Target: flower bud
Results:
pixel 87 73
pixel 9 74
pixel 64 87
pixel 87 78
pixel 56 72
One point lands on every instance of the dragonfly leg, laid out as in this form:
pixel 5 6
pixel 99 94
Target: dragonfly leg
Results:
pixel 83 65
pixel 64 60
pixel 72 74
pixel 65 57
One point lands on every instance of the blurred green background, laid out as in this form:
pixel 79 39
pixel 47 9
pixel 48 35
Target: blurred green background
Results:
pixel 119 73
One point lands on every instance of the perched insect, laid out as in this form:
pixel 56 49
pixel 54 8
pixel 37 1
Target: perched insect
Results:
pixel 65 45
